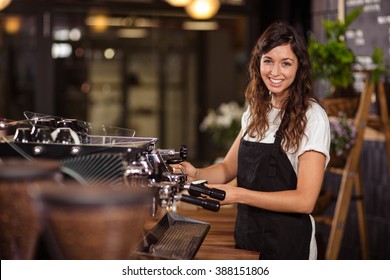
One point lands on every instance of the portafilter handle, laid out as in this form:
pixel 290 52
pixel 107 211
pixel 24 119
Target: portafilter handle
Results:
pixel 207 204
pixel 198 188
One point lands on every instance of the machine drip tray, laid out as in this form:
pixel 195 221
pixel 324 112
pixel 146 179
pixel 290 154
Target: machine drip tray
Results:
pixel 174 237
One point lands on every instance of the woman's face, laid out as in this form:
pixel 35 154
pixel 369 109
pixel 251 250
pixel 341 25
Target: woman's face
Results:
pixel 278 68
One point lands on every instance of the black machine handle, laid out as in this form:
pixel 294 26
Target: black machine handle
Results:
pixel 198 188
pixel 207 204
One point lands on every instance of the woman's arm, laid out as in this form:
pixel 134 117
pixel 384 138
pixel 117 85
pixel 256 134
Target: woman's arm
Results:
pixel 302 200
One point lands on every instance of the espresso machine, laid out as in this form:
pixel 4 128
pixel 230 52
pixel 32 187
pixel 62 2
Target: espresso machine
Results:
pixel 114 158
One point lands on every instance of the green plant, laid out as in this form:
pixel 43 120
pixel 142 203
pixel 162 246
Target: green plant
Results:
pixel 332 59
pixel 379 61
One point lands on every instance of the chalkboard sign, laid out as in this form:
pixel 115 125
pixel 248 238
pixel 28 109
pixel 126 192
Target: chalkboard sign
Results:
pixel 371 29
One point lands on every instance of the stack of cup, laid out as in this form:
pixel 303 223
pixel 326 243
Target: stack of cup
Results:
pixel 93 222
pixel 19 216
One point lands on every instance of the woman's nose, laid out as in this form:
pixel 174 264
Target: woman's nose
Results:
pixel 275 70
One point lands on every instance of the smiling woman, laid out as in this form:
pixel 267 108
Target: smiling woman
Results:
pixel 274 197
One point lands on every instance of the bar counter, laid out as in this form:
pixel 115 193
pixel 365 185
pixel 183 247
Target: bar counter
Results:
pixel 219 242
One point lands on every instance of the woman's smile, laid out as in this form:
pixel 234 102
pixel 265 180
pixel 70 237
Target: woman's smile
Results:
pixel 275 82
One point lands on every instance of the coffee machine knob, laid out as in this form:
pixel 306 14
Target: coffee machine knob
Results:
pixel 183 152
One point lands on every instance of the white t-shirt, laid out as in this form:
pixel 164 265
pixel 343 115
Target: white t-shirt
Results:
pixel 317 132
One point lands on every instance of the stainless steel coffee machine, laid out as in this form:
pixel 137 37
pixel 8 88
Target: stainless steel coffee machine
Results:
pixel 112 157
pixel 101 154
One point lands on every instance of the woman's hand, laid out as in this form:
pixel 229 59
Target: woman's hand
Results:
pixel 186 168
pixel 230 190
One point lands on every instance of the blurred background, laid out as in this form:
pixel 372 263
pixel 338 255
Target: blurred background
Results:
pixel 141 64
pixel 155 66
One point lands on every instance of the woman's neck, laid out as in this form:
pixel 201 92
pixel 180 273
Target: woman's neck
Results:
pixel 278 99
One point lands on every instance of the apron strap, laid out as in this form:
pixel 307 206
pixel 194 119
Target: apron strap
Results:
pixel 274 156
pixel 275 152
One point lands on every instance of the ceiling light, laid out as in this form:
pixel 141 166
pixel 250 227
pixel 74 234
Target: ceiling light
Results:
pixel 202 9
pixel 178 3
pixel 4 4
pixel 12 24
pixel 98 20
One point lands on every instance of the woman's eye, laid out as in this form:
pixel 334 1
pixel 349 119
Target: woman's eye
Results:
pixel 267 61
pixel 287 64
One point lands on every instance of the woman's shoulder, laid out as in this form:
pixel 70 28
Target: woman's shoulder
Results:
pixel 316 111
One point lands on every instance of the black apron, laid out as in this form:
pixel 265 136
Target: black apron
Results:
pixel 276 235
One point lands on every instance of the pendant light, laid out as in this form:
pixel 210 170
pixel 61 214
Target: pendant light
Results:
pixel 12 24
pixel 178 3
pixel 202 9
pixel 4 4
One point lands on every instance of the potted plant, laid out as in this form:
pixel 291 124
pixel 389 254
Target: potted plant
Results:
pixel 334 61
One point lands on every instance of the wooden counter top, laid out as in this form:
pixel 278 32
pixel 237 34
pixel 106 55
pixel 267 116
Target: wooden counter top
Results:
pixel 219 242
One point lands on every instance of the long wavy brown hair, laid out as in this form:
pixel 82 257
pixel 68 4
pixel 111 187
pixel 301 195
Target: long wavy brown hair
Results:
pixel 294 107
